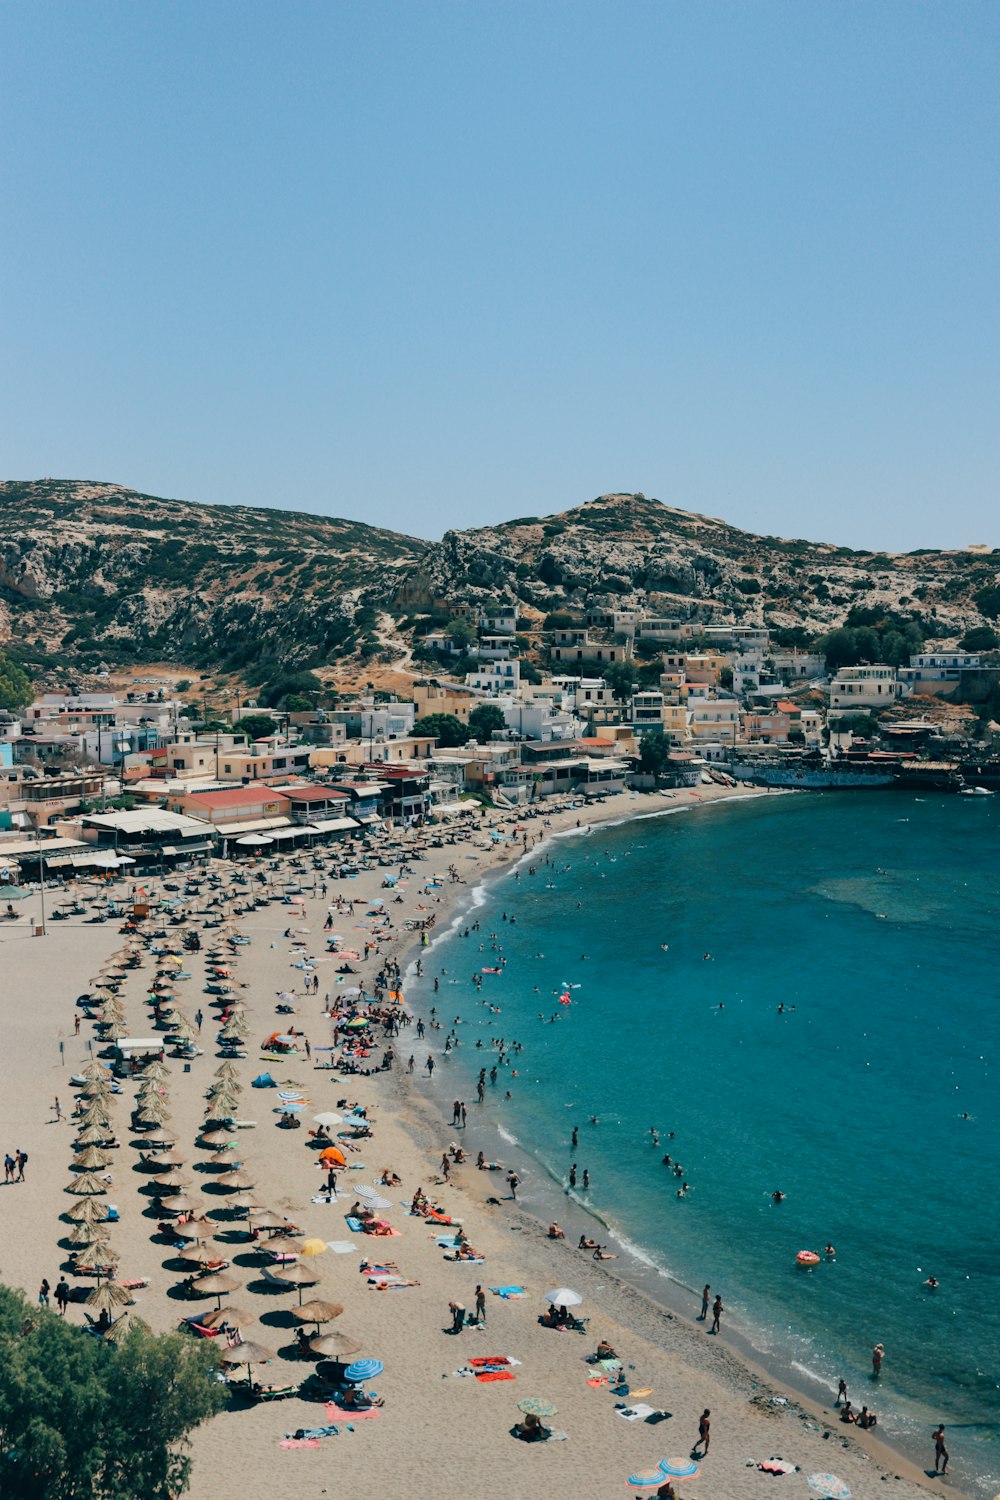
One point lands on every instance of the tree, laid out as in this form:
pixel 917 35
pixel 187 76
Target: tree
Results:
pixel 485 721
pixel 445 728
pixel 461 633
pixel 621 677
pixel 980 638
pixel 15 684
pixel 256 726
pixel 82 1418
pixel 654 752
pixel 289 683
pixel 988 600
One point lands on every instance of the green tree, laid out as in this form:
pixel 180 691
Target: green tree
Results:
pixel 461 633
pixel 256 726
pixel 15 684
pixel 654 752
pixel 445 728
pixel 485 720
pixel 276 692
pixel 621 677
pixel 980 638
pixel 988 600
pixel 84 1420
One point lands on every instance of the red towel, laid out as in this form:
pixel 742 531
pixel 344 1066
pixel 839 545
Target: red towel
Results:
pixel 485 1375
pixel 494 1359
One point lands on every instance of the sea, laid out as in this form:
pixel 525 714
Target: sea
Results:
pixel 799 994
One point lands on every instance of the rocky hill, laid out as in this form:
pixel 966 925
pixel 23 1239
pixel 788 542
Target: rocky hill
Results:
pixel 92 574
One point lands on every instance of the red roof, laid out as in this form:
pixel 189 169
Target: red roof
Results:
pixel 312 793
pixel 238 796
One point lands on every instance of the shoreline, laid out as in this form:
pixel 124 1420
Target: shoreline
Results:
pixel 668 1292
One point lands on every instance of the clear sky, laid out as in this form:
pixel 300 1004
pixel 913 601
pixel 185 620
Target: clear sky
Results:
pixel 435 265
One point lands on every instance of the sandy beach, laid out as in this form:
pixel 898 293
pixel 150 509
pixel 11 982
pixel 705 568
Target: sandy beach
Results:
pixel 440 1432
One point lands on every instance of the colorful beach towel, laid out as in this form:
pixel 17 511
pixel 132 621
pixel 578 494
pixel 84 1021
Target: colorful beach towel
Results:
pixel 506 1292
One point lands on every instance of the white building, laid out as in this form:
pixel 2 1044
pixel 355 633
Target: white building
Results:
pixel 860 688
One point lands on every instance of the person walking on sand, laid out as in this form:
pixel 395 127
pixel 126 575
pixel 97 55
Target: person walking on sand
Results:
pixel 941 1454
pixel 512 1182
pixel 456 1109
pixel 717 1311
pixel 705 1303
pixel 62 1295
pixel 429 1065
pixel 198 1018
pixel 21 1157
pixel 58 1109
pixel 8 1168
pixel 43 1293
pixel 704 1433
pixel 480 1305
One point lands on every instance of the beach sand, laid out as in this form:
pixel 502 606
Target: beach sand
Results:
pixel 439 1433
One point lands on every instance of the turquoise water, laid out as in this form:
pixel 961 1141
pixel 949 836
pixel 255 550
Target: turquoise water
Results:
pixel 851 1103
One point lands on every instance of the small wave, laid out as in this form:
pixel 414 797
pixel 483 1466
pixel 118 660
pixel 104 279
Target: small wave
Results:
pixel 815 1376
pixel 505 1135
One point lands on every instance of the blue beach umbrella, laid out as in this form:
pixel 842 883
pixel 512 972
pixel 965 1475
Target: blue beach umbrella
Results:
pixel 648 1481
pixel 829 1486
pixel 679 1468
pixel 289 1109
pixel 363 1369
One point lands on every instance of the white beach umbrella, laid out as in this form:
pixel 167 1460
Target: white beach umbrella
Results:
pixel 563 1296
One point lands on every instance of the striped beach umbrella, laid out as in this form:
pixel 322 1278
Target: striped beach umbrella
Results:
pixel 679 1468
pixel 650 1479
pixel 363 1369
pixel 829 1486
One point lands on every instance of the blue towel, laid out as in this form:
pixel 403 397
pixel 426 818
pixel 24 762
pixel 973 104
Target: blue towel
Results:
pixel 354 1224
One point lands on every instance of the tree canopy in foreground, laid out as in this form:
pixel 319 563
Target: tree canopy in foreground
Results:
pixel 81 1419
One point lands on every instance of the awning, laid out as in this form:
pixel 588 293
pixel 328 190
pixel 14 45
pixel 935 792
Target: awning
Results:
pixel 291 833
pixel 453 809
pixel 255 825
pixel 367 818
pixel 333 825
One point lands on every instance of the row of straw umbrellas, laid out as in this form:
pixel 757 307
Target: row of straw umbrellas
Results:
pixel 90 1232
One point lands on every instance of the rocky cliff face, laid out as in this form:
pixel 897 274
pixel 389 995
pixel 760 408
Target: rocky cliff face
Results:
pixel 91 573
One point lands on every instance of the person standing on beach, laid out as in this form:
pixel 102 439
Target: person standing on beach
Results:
pixel 58 1108
pixel 705 1303
pixel 62 1295
pixel 941 1454
pixel 429 1065
pixel 572 1175
pixel 198 1018
pixel 841 1391
pixel 480 1304
pixel 457 1311
pixel 43 1293
pixel 717 1311
pixel 704 1432
pixel 512 1182
pixel 878 1354
pixel 455 1112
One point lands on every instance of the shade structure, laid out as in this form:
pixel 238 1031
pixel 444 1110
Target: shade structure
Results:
pixel 93 1135
pixel 172 1180
pixel 337 1346
pixel 216 1139
pixel 165 1159
pixel 563 1296
pixel 268 1220
pixel 536 1406
pixel 244 1202
pixel 86 1232
pixel 89 1158
pixel 295 1275
pixel 328 1118
pixel 234 1316
pixel 95 1069
pixel 317 1311
pixel 363 1369
pixel 333 1156
pixel 313 1247
pixel 829 1486
pixel 86 1211
pixel 95 1114
pixel 679 1467
pixel 645 1479
pixel 160 1139
pixel 156 1071
pixel 236 1181
pixel 87 1185
pixel 180 1203
pixel 216 1284
pixel 107 1296
pixel 248 1354
pixel 153 1111
pixel 283 1244
pixel 198 1254
pixel 123 1326
pixel 196 1232
pixel 227 1070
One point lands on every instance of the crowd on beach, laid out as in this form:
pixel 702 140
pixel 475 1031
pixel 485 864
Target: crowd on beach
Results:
pixel 341 1019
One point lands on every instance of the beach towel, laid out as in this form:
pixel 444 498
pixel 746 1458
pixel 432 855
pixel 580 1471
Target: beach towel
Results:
pixel 466 1260
pixel 392 1286
pixel 355 1225
pixel 485 1375
pixel 341 1247
pixel 506 1292
pixel 289 1443
pixel 489 1361
pixel 637 1413
pixel 313 1432
pixel 353 1416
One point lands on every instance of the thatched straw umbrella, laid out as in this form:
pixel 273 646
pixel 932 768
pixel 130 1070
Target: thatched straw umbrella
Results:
pixel 337 1346
pixel 317 1311
pixel 87 1185
pixel 123 1326
pixel 89 1158
pixel 107 1296
pixel 216 1285
pixel 87 1212
pixel 234 1316
pixel 296 1275
pixel 248 1354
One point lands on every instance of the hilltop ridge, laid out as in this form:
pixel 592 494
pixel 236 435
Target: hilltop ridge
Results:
pixel 94 574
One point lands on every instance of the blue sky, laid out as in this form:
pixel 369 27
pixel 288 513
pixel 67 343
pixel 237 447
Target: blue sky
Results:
pixel 435 265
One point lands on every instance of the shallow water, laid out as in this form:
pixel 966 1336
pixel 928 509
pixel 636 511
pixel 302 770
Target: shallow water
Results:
pixel 851 1101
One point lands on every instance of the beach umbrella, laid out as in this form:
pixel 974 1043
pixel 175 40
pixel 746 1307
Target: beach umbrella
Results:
pixel 86 1211
pixel 235 1180
pixel 198 1255
pixel 203 1229
pixel 164 1159
pixel 283 1244
pixel 114 1030
pixel 374 1200
pixel 317 1311
pixel 334 1156
pixel 156 1071
pixel 328 1118
pixel 172 1180
pixel 226 1070
pixel 679 1467
pixel 244 1202
pixel 90 1157
pixel 96 1114
pixel 95 1070
pixel 563 1296
pixel 217 1140
pixel 107 1296
pixel 234 1316
pixel 161 1140
pixel 179 1203
pixel 86 1232
pixel 533 1406
pixel 217 1285
pixel 333 1346
pixel 268 1220
pixel 649 1479
pixel 91 1135
pixel 365 1369
pixel 123 1326
pixel 296 1275
pixel 247 1354
pixel 829 1486
pixel 313 1247
pixel 87 1185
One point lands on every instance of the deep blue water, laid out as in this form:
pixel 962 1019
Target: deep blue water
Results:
pixel 851 1103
